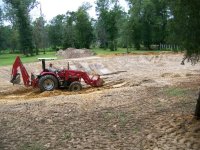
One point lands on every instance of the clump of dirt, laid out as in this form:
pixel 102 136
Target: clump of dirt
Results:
pixel 75 53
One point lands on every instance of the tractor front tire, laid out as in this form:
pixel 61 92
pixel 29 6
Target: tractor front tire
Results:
pixel 48 83
pixel 75 86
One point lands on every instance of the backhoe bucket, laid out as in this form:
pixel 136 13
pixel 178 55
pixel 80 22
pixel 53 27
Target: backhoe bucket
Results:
pixel 16 79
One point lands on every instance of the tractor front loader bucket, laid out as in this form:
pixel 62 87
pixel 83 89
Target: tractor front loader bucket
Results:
pixel 98 82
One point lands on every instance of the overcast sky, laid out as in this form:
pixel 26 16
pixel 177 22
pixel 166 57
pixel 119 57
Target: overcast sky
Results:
pixel 51 8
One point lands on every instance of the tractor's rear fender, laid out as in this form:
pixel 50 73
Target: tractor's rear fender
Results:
pixel 47 73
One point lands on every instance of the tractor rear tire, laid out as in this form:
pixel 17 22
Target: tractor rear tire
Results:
pixel 75 86
pixel 48 83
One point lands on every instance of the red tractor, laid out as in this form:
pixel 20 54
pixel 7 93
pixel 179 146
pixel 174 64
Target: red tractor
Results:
pixel 48 80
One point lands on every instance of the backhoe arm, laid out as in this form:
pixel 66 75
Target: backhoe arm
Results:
pixel 18 64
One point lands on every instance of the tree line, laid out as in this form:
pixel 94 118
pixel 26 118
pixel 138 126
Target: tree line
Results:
pixel 147 23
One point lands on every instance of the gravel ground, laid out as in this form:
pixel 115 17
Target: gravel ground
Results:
pixel 147 102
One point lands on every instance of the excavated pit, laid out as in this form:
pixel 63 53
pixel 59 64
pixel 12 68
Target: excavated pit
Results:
pixel 147 102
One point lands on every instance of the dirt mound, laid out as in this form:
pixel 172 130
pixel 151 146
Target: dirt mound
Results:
pixel 75 53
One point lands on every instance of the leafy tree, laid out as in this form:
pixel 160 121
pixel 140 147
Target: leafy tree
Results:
pixel 83 28
pixel 8 38
pixel 160 27
pixel 102 7
pixel 56 31
pixel 1 29
pixel 186 22
pixel 148 22
pixel 1 16
pixel 107 29
pixel 69 34
pixel 114 16
pixel 135 22
pixel 8 35
pixel 39 34
pixel 3 41
pixel 124 36
pixel 72 30
pixel 21 9
pixel 14 39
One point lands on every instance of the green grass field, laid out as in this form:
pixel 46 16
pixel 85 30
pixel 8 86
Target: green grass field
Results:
pixel 8 59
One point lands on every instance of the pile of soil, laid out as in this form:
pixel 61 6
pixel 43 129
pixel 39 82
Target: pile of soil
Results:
pixel 75 53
